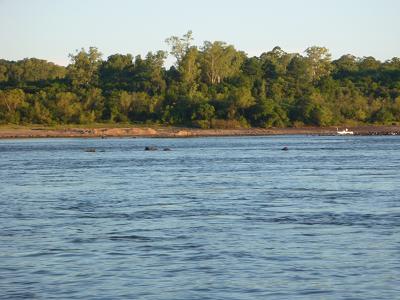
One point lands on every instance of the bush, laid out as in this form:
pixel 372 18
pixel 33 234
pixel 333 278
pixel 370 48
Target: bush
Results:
pixel 203 124
pixel 226 124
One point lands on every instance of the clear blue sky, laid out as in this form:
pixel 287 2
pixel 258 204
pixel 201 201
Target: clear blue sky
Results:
pixel 50 29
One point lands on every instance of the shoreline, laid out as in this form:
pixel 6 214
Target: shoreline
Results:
pixel 184 132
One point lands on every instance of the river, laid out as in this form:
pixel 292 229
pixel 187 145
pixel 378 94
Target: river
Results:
pixel 215 218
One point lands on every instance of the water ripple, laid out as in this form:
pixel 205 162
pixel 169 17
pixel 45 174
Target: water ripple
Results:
pixel 216 218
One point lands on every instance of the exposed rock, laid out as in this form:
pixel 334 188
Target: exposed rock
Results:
pixel 167 149
pixel 285 149
pixel 90 150
pixel 150 148
pixel 183 133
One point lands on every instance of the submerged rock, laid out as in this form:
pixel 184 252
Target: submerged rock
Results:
pixel 90 150
pixel 167 149
pixel 150 148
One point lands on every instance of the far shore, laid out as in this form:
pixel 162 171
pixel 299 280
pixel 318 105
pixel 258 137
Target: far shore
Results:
pixel 8 132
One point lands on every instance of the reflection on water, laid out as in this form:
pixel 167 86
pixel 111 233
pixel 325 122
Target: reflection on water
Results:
pixel 215 218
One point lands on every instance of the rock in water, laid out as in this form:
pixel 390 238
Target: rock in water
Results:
pixel 150 148
pixel 285 149
pixel 90 150
pixel 167 149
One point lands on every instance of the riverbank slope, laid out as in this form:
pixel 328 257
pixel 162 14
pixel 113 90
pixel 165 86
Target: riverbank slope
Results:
pixel 165 132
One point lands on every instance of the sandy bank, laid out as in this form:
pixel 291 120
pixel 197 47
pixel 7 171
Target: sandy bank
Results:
pixel 185 132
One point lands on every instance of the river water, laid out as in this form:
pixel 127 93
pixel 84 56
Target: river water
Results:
pixel 215 218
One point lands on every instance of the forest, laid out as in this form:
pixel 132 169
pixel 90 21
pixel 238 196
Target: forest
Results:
pixel 209 86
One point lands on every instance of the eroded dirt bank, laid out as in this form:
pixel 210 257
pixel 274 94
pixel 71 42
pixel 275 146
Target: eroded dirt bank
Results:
pixel 185 132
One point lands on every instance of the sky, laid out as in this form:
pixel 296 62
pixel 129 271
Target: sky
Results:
pixel 51 29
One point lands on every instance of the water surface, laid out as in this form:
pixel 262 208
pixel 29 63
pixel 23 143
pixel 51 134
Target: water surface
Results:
pixel 215 218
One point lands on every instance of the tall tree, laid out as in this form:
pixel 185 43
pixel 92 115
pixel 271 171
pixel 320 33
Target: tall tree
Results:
pixel 83 68
pixel 275 62
pixel 114 73
pixel 345 65
pixel 147 74
pixel 180 45
pixel 219 61
pixel 189 68
pixel 3 72
pixel 320 60
pixel 11 101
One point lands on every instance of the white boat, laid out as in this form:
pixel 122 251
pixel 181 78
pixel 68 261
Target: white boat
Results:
pixel 344 132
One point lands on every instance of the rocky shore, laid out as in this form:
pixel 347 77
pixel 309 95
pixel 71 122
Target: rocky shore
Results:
pixel 170 132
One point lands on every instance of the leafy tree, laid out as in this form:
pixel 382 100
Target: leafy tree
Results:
pixel 148 74
pixel 383 115
pixel 84 66
pixel 203 113
pixel 320 61
pixel 121 105
pixel 115 72
pixel 180 46
pixel 396 109
pixel 346 65
pixel 39 113
pixel 92 103
pixel 11 102
pixel 368 64
pixel 143 107
pixel 189 68
pixel 37 69
pixel 275 63
pixel 219 61
pixel 67 108
pixel 3 71
pixel 312 110
pixel 266 113
pixel 299 78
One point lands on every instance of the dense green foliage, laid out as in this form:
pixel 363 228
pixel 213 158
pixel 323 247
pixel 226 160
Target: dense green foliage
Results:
pixel 210 86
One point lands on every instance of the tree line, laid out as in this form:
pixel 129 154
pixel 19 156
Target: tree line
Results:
pixel 209 86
